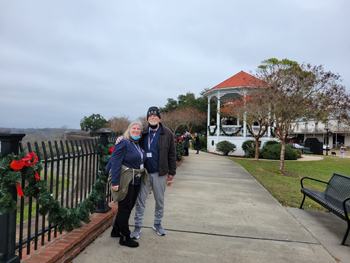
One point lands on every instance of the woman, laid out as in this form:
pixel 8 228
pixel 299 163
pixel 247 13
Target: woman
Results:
pixel 196 142
pixel 127 172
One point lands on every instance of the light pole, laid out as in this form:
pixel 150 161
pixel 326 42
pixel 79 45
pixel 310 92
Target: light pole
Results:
pixel 327 141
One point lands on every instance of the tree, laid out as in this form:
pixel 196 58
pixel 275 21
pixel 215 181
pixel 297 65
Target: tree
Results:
pixel 170 106
pixel 172 119
pixel 295 91
pixel 93 122
pixel 190 101
pixel 118 124
pixel 339 107
pixel 192 117
pixel 143 120
pixel 255 106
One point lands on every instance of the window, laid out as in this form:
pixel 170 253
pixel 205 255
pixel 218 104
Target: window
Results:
pixel 339 125
pixel 298 127
pixel 316 126
pixel 306 126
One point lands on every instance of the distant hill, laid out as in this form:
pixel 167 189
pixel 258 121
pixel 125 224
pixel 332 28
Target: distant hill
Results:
pixel 45 134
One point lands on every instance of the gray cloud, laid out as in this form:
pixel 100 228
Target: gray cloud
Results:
pixel 63 60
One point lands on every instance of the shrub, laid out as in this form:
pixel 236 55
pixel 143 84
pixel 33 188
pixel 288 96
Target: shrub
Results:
pixel 225 147
pixel 251 153
pixel 249 144
pixel 299 152
pixel 273 151
pixel 202 143
pixel 179 149
pixel 271 143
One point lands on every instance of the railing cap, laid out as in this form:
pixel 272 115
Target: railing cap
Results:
pixel 104 131
pixel 11 135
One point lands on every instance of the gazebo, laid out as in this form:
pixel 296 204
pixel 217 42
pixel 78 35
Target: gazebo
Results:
pixel 236 131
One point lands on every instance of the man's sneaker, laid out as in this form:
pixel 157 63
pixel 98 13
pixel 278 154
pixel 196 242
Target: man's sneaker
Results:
pixel 136 233
pixel 160 230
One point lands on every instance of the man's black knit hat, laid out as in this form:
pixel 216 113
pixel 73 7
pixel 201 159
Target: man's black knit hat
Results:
pixel 153 111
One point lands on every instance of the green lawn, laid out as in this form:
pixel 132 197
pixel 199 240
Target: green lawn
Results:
pixel 286 187
pixel 26 205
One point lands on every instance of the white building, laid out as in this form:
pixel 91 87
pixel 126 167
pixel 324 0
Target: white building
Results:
pixel 237 131
pixel 317 129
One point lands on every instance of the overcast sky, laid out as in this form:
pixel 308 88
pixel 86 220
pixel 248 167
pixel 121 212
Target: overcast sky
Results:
pixel 63 60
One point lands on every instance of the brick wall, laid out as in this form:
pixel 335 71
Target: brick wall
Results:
pixel 68 245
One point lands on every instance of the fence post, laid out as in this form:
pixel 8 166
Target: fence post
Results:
pixel 9 144
pixel 103 207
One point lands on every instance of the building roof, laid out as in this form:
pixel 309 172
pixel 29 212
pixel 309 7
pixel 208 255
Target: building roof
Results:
pixel 241 79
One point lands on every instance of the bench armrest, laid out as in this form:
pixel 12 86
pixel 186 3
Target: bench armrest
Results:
pixel 301 181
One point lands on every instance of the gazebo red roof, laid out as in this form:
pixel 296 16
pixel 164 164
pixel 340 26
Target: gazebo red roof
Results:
pixel 241 79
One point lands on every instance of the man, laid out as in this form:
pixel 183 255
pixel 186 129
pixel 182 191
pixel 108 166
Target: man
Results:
pixel 159 143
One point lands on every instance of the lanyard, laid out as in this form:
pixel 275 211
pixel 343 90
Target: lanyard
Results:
pixel 149 139
pixel 139 150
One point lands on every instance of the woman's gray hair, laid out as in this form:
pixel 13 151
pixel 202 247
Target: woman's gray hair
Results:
pixel 126 134
pixel 195 134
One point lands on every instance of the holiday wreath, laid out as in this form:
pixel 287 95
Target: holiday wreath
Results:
pixel 15 168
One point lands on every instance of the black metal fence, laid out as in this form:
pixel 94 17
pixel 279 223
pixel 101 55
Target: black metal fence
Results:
pixel 70 169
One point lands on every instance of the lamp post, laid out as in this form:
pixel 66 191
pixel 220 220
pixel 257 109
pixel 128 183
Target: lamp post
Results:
pixel 327 141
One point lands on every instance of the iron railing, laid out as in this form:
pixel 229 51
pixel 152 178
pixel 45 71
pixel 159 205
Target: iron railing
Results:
pixel 70 169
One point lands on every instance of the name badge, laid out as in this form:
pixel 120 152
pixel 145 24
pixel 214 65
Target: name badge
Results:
pixel 141 166
pixel 149 155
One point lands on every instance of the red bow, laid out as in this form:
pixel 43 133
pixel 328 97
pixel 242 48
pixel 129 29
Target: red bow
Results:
pixel 18 165
pixel 111 151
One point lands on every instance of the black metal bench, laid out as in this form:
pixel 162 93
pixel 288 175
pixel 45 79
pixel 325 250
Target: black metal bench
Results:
pixel 335 198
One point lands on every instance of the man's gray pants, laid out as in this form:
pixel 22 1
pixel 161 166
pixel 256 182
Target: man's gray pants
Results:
pixel 158 184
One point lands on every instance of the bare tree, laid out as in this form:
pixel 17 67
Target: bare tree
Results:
pixel 256 108
pixel 117 124
pixel 296 91
pixel 143 120
pixel 192 116
pixel 173 119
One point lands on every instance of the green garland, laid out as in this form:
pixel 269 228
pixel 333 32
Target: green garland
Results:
pixel 64 217
pixel 222 130
pixel 231 134
pixel 238 131
pixel 250 131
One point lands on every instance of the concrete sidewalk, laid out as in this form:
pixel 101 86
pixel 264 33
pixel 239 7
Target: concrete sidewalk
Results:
pixel 215 211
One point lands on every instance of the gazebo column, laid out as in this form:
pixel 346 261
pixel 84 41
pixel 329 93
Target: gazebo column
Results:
pixel 218 116
pixel 244 121
pixel 208 115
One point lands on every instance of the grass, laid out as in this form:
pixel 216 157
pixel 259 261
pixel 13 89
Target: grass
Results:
pixel 285 187
pixel 26 206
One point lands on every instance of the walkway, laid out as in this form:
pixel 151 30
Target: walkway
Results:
pixel 217 212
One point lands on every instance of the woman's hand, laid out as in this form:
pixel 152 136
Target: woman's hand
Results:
pixel 115 188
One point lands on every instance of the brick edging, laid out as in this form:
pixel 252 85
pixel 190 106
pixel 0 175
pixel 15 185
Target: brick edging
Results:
pixel 69 245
